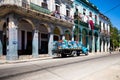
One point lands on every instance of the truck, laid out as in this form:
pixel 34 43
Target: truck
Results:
pixel 63 48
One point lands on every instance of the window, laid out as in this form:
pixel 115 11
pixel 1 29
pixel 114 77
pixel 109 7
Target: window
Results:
pixel 45 1
pixel 95 18
pixel 103 26
pixel 57 8
pixel 90 14
pixel 25 3
pixel 100 24
pixel 67 13
pixel 44 4
pixel 84 11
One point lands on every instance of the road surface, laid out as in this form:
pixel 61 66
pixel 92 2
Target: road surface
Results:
pixel 98 67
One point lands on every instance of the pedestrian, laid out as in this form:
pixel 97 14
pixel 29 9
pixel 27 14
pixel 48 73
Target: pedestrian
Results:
pixel 110 50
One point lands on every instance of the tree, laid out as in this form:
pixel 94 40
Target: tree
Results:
pixel 114 38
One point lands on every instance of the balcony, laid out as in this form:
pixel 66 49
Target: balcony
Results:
pixel 80 22
pixel 62 16
pixel 105 32
pixel 39 8
pixel 96 27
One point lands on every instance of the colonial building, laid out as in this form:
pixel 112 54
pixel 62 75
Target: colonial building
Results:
pixel 29 27
pixel 104 22
pixel 87 21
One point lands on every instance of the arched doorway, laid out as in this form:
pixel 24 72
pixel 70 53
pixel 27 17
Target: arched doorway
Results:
pixel 56 33
pixel 25 36
pixel 43 39
pixel 3 37
pixel 77 34
pixel 67 35
pixel 84 37
pixel 96 39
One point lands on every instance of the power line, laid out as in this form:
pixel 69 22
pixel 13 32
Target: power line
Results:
pixel 112 8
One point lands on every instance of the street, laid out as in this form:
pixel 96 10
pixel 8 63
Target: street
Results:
pixel 98 67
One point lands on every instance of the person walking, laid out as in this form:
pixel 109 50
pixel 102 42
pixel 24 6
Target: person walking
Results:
pixel 110 50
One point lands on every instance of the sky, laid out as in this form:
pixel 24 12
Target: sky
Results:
pixel 111 9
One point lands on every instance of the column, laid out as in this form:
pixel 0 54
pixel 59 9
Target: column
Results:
pixel 80 35
pixel 102 46
pixel 1 48
pixel 35 52
pixel 108 45
pixel 93 43
pixel 98 44
pixel 88 42
pixel 12 45
pixel 50 44
pixel 73 33
pixel 105 46
pixel 80 38
pixel 63 37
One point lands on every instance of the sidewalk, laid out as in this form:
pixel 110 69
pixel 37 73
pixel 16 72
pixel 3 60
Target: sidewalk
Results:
pixel 46 57
pixel 22 59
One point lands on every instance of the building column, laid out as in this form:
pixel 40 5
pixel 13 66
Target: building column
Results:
pixel 63 37
pixel 1 48
pixel 12 45
pixel 88 42
pixel 102 46
pixel 98 44
pixel 35 52
pixel 108 45
pixel 105 46
pixel 80 37
pixel 50 44
pixel 73 33
pixel 93 43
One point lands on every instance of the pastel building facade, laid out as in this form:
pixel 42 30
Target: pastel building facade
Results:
pixel 29 27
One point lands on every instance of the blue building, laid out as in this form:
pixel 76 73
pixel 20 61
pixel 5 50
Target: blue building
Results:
pixel 89 26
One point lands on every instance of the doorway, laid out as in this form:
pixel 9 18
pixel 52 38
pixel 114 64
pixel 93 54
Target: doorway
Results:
pixel 29 43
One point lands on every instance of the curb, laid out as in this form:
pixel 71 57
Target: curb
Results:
pixel 22 61
pixel 47 58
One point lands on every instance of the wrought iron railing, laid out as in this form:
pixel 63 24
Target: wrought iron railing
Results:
pixel 80 22
pixel 62 16
pixel 21 3
pixel 39 8
pixel 96 27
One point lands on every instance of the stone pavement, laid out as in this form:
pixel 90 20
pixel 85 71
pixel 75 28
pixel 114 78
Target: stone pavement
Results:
pixel 43 57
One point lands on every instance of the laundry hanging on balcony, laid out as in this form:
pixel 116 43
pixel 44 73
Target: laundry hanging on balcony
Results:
pixel 91 24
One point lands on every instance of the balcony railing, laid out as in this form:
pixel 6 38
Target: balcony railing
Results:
pixel 39 8
pixel 80 22
pixel 105 32
pixel 25 5
pixel 96 27
pixel 62 16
